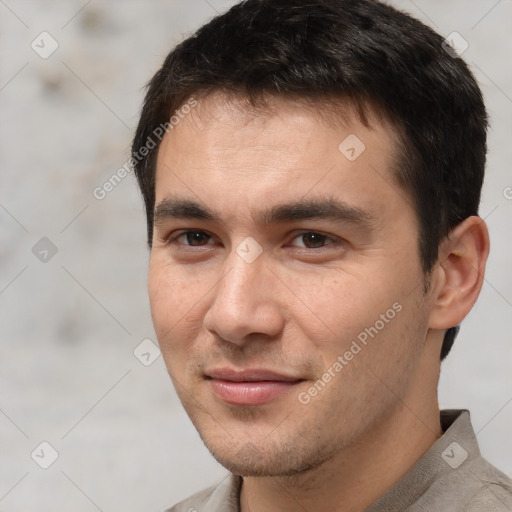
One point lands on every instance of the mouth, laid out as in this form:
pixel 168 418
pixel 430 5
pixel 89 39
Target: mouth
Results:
pixel 251 386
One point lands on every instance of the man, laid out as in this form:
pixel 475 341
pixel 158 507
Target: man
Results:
pixel 315 242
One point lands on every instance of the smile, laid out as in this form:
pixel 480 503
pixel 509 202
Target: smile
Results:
pixel 249 387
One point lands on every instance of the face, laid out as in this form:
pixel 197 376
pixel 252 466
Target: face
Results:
pixel 285 284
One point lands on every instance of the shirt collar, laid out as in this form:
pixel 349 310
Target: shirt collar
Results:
pixel 456 446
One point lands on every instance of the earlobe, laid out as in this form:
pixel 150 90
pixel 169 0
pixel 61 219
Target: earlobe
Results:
pixel 459 273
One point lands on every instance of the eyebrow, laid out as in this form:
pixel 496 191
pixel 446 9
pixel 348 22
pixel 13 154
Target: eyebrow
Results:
pixel 319 208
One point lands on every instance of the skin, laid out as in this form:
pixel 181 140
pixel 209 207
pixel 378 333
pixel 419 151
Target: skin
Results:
pixel 303 301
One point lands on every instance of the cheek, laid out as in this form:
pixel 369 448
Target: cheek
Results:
pixel 340 307
pixel 176 304
pixel 366 318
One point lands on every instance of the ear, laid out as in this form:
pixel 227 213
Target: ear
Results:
pixel 459 273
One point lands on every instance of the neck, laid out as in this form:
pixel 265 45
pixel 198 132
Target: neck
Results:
pixel 357 476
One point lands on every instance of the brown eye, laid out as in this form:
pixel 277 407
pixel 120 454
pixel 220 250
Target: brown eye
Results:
pixel 196 237
pixel 191 238
pixel 314 240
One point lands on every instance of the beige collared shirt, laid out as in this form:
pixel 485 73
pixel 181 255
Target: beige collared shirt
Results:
pixel 451 476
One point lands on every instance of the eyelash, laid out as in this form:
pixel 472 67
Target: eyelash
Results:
pixel 172 240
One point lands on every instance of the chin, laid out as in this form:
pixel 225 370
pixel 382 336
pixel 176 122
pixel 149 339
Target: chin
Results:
pixel 271 460
pixel 259 467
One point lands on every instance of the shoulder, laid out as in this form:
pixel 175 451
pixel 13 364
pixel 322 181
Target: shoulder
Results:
pixel 467 481
pixel 190 504
pixel 494 493
pixel 476 486
pixel 223 497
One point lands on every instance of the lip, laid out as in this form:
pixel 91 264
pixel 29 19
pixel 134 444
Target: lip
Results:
pixel 251 386
pixel 249 375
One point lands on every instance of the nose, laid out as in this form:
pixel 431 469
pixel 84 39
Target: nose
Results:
pixel 245 302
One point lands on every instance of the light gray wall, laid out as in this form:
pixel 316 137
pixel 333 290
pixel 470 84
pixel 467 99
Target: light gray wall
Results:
pixel 69 325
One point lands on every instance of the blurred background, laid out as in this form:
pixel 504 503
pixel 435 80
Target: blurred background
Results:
pixel 88 417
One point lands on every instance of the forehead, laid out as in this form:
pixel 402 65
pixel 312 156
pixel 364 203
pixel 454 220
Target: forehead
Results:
pixel 235 110
pixel 225 147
